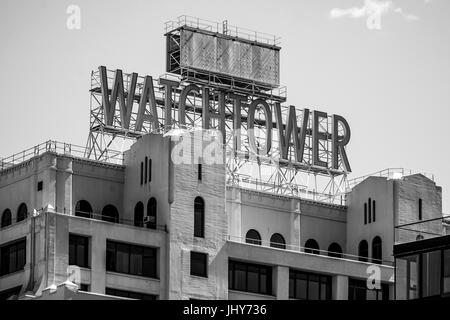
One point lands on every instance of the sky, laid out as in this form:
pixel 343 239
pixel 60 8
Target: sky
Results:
pixel 383 65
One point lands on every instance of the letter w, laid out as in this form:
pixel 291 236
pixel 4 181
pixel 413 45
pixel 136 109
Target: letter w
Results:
pixel 291 128
pixel 109 105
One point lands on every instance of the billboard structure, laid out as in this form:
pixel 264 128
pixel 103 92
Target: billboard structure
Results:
pixel 228 80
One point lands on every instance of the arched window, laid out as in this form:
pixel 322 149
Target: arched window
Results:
pixel 311 246
pixel 151 213
pixel 139 214
pixel 419 237
pixel 110 213
pixel 22 212
pixel 253 237
pixel 6 218
pixel 363 251
pixel 83 209
pixel 376 250
pixel 335 250
pixel 277 241
pixel 199 217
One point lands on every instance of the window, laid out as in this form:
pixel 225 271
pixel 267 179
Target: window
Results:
pixel 199 264
pixel 199 217
pixel 253 237
pixel 83 287
pixel 446 283
pixel 277 241
pixel 83 209
pixel 22 212
pixel 40 186
pixel 376 250
pixel 311 246
pixel 10 293
pixel 78 251
pixel 369 205
pixel 130 259
pixel 12 257
pixel 199 172
pixel 146 170
pixel 335 250
pixel 6 218
pixel 110 214
pixel 373 211
pixel 249 277
pixel 139 214
pixel 365 213
pixel 152 213
pixel 130 294
pixel 149 170
pixel 431 273
pixel 142 173
pixel 363 251
pixel 420 209
pixel 309 286
pixel 357 290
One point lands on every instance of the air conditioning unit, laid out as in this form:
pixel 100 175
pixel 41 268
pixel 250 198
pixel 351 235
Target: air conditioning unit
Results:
pixel 149 219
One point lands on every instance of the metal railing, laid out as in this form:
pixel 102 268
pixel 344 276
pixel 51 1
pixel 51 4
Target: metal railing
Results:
pixel 389 173
pixel 57 148
pixel 423 229
pixel 96 215
pixel 223 27
pixel 295 248
pixel 289 189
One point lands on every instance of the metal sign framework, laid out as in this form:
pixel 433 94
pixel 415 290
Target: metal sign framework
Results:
pixel 244 169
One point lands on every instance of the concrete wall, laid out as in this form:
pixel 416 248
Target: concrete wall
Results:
pixel 381 191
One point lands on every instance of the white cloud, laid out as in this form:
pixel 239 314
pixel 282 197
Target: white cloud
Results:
pixel 373 10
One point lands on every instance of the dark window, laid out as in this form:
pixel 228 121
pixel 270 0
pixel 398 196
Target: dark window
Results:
pixel 311 246
pixel 152 207
pixel 277 241
pixel 131 259
pixel 420 209
pixel 83 287
pixel 83 209
pixel 373 211
pixel 12 257
pixel 139 214
pixel 446 273
pixel 149 170
pixel 365 213
pixel 357 290
pixel 22 212
pixel 335 250
pixel 142 173
pixel 309 286
pixel 40 186
pixel 10 294
pixel 199 172
pixel 376 250
pixel 146 170
pixel 249 277
pixel 253 237
pixel 199 264
pixel 199 217
pixel 110 213
pixel 129 294
pixel 431 273
pixel 79 251
pixel 363 251
pixel 369 205
pixel 6 218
